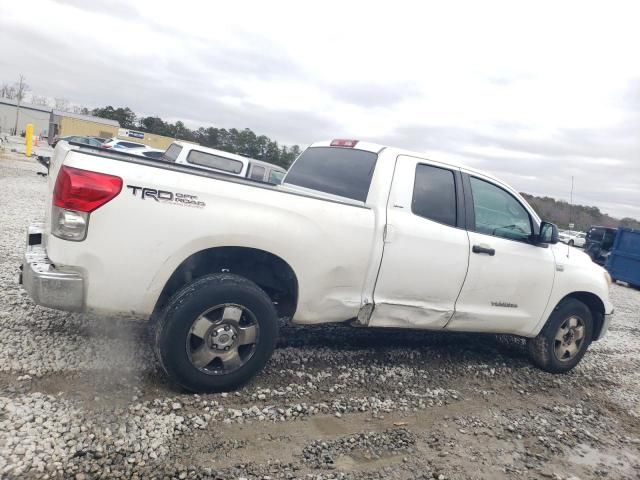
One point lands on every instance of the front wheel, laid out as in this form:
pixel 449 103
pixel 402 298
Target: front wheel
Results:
pixel 571 243
pixel 216 333
pixel 564 339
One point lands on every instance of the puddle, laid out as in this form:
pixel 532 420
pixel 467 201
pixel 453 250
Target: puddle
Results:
pixel 361 462
pixel 330 426
pixel 589 456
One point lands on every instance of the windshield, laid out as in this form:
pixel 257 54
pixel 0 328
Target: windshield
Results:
pixel 345 172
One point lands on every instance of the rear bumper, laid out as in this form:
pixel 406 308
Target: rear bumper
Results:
pixel 48 286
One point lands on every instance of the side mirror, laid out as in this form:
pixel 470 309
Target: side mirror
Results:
pixel 548 233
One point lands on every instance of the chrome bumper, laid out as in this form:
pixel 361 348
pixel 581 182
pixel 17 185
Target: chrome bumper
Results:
pixel 46 285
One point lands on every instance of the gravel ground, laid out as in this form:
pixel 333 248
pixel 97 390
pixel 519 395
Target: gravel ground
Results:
pixel 82 397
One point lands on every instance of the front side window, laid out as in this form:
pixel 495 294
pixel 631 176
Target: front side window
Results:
pixel 498 213
pixel 257 172
pixel 345 172
pixel 434 194
pixel 276 177
pixel 171 155
pixel 217 162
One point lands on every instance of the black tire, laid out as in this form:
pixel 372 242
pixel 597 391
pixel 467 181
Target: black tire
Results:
pixel 571 243
pixel 542 349
pixel 174 325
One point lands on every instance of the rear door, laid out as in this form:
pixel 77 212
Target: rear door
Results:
pixel 509 280
pixel 426 249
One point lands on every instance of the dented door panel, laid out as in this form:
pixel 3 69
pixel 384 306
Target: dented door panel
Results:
pixel 424 262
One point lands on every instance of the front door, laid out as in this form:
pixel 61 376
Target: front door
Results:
pixel 509 279
pixel 426 248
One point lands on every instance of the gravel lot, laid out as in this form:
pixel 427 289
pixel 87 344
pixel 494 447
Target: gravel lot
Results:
pixel 83 397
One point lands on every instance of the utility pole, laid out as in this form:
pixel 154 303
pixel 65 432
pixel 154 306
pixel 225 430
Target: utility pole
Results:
pixel 571 204
pixel 15 128
pixel 22 88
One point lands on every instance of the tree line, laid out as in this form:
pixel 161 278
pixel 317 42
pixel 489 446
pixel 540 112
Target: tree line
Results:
pixel 562 214
pixel 243 142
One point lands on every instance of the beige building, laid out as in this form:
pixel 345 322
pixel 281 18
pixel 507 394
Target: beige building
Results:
pixel 62 124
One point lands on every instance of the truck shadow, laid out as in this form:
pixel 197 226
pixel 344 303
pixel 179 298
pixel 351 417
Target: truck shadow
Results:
pixel 343 337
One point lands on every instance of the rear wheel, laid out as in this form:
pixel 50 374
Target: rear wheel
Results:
pixel 571 243
pixel 216 333
pixel 564 339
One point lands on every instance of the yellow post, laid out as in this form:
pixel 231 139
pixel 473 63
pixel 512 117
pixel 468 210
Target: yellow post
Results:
pixel 28 139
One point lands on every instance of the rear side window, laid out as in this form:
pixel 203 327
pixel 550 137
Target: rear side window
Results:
pixel 155 155
pixel 217 162
pixel 130 145
pixel 434 194
pixel 171 155
pixel 257 172
pixel 345 172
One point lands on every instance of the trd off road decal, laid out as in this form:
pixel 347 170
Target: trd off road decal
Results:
pixel 166 196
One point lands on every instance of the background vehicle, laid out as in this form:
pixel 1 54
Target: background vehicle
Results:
pixel 265 172
pixel 154 153
pixel 91 141
pixel 599 242
pixel 623 262
pixel 223 162
pixel 358 232
pixel 574 239
pixel 116 143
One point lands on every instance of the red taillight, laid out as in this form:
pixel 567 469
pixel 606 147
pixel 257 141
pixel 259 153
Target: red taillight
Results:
pixel 106 146
pixel 341 142
pixel 84 191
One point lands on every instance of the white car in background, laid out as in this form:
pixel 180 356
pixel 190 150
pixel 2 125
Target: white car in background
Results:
pixel 147 152
pixel 571 238
pixel 123 144
pixel 220 161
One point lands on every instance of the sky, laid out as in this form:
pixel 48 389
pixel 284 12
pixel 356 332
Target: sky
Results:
pixel 533 92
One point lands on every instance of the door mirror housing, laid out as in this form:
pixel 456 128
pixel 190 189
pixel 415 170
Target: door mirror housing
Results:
pixel 548 233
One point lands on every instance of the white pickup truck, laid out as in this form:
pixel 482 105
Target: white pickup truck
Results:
pixel 358 232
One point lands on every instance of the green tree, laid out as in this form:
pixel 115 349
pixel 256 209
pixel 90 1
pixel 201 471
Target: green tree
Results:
pixel 124 116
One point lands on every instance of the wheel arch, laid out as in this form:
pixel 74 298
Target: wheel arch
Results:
pixel 269 271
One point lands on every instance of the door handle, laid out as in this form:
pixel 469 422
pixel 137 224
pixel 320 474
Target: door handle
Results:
pixel 480 249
